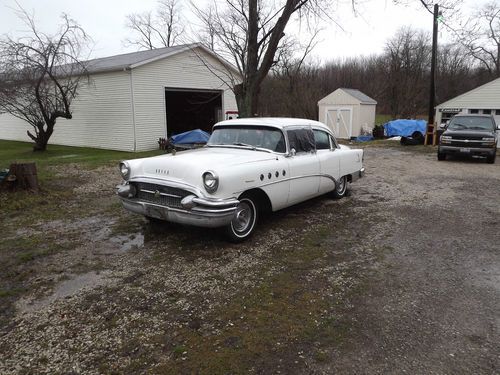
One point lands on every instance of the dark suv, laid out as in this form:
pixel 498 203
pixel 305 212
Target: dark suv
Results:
pixel 469 135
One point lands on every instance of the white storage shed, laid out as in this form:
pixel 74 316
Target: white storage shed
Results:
pixel 134 99
pixel 347 111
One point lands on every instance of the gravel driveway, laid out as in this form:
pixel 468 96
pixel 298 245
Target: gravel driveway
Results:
pixel 402 276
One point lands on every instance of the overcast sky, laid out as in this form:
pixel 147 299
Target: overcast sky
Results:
pixel 104 20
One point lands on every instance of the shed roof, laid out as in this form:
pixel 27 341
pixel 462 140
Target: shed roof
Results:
pixel 363 98
pixel 357 95
pixel 134 59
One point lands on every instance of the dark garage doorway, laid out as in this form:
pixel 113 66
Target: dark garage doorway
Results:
pixel 192 109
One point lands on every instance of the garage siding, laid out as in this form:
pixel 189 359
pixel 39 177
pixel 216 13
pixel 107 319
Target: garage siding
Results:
pixel 102 117
pixel 184 70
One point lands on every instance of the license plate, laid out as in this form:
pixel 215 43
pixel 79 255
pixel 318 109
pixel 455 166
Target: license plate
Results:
pixel 155 212
pixel 465 150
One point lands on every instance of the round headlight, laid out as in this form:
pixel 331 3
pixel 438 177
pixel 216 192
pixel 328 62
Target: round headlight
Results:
pixel 125 170
pixel 210 181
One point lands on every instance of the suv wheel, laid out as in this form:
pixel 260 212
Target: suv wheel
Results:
pixel 441 156
pixel 491 159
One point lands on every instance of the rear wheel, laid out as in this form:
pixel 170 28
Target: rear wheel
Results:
pixel 340 188
pixel 244 221
pixel 441 156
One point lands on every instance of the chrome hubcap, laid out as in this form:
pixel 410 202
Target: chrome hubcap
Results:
pixel 341 185
pixel 243 217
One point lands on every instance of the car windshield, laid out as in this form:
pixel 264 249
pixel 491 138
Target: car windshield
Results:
pixel 471 123
pixel 257 137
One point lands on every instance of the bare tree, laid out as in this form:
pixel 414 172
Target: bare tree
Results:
pixel 407 57
pixel 480 34
pixel 41 75
pixel 251 33
pixel 161 28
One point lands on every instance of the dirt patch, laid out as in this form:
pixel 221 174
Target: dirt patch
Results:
pixel 402 276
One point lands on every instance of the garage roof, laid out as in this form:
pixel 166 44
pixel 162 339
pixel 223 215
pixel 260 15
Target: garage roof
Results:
pixel 120 62
pixel 135 59
pixel 486 96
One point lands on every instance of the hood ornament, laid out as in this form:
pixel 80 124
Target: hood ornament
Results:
pixel 157 194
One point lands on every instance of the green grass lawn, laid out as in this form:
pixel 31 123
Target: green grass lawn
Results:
pixel 382 119
pixel 11 152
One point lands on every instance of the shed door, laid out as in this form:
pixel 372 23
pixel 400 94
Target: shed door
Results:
pixel 339 119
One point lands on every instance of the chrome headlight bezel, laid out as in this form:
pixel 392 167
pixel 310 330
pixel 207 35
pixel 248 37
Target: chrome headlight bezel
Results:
pixel 125 170
pixel 210 181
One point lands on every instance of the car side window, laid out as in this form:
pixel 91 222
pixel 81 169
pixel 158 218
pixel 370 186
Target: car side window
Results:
pixel 302 140
pixel 322 140
pixel 333 142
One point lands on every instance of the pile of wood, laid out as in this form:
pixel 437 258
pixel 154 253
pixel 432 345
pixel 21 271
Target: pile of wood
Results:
pixel 21 176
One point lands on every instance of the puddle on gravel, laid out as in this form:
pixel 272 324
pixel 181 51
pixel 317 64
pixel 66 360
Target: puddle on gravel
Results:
pixel 129 241
pixel 65 289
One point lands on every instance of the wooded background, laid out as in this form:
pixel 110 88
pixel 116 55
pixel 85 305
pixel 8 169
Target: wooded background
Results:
pixel 398 78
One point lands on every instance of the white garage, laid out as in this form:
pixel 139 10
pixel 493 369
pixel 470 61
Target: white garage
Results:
pixel 484 99
pixel 134 99
pixel 347 111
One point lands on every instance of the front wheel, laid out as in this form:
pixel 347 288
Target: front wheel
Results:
pixel 491 159
pixel 340 188
pixel 441 156
pixel 244 221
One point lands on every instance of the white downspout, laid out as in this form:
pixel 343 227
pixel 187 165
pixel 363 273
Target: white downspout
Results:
pixel 133 106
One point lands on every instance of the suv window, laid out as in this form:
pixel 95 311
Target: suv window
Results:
pixel 471 123
pixel 302 140
pixel 322 140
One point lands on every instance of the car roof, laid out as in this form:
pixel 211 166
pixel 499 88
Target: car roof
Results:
pixel 472 115
pixel 277 122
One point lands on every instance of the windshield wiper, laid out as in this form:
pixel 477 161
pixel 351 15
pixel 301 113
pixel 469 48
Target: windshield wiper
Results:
pixel 244 145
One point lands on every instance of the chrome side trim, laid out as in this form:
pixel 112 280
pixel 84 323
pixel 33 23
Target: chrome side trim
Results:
pixel 298 177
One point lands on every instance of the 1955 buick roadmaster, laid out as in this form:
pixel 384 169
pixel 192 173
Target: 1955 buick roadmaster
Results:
pixel 248 166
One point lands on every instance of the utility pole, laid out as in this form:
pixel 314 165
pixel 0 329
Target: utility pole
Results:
pixel 432 94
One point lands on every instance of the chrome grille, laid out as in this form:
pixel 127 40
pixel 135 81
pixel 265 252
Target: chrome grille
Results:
pixel 464 137
pixel 160 194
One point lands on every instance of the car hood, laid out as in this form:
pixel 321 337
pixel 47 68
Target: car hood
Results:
pixel 188 166
pixel 469 133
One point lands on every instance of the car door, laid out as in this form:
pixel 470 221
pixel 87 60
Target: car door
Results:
pixel 303 165
pixel 329 160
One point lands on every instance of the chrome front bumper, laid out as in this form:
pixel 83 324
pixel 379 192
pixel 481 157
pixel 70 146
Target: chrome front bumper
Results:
pixel 201 212
pixel 358 174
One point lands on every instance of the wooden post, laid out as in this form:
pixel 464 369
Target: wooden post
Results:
pixel 23 176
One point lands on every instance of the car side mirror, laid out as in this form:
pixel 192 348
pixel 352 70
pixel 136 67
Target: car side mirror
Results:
pixel 442 126
pixel 292 152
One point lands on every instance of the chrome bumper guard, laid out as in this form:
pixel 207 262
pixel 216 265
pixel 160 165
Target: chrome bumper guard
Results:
pixel 196 211
pixel 358 174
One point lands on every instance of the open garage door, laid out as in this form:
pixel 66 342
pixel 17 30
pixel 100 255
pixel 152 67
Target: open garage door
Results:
pixel 189 109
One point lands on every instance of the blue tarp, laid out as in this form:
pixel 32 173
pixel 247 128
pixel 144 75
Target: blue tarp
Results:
pixel 364 138
pixel 192 136
pixel 404 128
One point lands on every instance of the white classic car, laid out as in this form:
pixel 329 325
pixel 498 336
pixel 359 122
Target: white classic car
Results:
pixel 248 166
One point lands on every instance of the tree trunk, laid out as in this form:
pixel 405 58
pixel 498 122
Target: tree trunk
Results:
pixel 23 177
pixel 247 99
pixel 42 137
